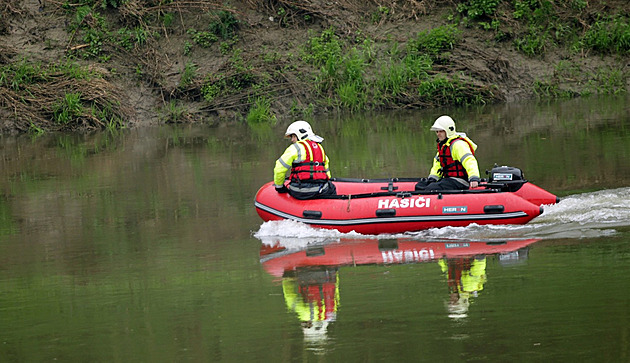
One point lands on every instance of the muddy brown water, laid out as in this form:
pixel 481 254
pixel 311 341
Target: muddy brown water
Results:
pixel 145 246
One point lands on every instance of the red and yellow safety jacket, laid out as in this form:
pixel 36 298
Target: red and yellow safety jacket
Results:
pixel 455 158
pixel 306 159
pixel 313 166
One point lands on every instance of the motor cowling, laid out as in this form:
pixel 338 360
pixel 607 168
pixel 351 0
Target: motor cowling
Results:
pixel 505 173
pixel 508 178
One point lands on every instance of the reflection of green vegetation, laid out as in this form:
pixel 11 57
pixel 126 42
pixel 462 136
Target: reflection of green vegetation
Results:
pixel 73 150
pixel 263 133
pixel 384 147
pixel 7 224
pixel 569 172
pixel 138 298
pixel 553 142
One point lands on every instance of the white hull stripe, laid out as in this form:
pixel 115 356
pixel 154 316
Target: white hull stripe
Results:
pixel 407 219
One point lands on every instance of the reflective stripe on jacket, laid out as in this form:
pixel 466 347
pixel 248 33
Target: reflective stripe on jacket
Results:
pixel 294 153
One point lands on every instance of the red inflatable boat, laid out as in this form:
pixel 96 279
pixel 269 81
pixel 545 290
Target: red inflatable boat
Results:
pixel 377 206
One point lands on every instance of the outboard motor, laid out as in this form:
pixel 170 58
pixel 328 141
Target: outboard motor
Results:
pixel 508 178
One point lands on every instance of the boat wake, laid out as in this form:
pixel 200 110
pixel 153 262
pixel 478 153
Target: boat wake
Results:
pixel 586 215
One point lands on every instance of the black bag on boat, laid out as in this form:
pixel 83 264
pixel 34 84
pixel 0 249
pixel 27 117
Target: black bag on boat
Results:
pixel 305 190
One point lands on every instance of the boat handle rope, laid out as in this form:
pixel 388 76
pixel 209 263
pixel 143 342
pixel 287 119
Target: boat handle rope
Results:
pixel 407 193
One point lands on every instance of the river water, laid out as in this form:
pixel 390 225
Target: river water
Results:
pixel 144 245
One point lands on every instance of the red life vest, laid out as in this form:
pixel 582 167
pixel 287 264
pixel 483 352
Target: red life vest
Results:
pixel 313 167
pixel 452 168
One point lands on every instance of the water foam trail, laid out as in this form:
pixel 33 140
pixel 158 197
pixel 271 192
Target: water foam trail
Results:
pixel 586 215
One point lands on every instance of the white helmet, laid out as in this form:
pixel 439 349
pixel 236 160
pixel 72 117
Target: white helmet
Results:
pixel 444 123
pixel 302 130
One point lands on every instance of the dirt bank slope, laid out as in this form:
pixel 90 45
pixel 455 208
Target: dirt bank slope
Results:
pixel 153 62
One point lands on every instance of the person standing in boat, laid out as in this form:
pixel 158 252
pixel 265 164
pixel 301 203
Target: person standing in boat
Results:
pixel 308 162
pixel 454 166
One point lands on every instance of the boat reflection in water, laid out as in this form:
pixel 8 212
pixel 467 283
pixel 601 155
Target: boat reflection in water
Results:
pixel 309 270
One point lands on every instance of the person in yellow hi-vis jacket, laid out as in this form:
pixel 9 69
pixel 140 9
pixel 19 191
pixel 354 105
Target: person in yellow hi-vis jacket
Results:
pixel 455 166
pixel 308 162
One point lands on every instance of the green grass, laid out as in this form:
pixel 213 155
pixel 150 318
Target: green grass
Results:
pixel 224 24
pixel 68 109
pixel 204 39
pixel 323 49
pixel 260 112
pixel 535 42
pixel 609 35
pixel 172 112
pixel 20 74
pixel 188 75
pixel 435 41
pixel 351 95
pixel 394 77
pixel 478 9
pixel 444 91
pixel 351 78
pixel 551 90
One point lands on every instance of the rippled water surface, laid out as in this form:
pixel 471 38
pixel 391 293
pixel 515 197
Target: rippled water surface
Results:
pixel 145 246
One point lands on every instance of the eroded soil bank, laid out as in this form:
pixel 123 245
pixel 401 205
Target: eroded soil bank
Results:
pixel 94 64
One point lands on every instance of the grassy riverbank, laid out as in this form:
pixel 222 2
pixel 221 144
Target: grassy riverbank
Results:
pixel 96 64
